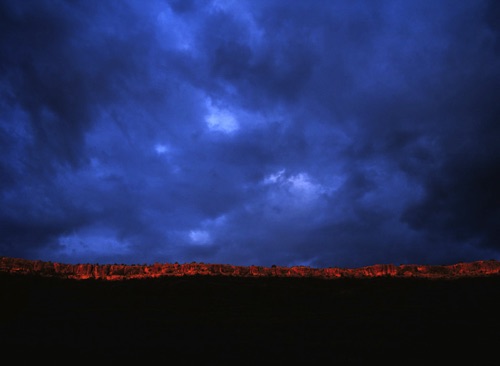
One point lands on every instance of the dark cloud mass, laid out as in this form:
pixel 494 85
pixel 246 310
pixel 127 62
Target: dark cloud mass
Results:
pixel 321 133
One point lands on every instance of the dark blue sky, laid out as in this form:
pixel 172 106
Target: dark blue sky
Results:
pixel 321 133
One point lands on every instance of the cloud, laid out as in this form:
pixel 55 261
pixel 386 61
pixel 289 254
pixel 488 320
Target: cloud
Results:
pixel 200 237
pixel 249 132
pixel 461 203
pixel 221 121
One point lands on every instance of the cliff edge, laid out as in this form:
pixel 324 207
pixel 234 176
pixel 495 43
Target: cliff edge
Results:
pixel 124 271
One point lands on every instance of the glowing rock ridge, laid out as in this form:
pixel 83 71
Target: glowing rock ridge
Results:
pixel 124 271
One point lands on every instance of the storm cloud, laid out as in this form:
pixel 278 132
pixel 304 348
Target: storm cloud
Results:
pixel 322 133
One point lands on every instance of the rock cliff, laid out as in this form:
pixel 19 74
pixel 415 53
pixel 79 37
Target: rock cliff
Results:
pixel 123 271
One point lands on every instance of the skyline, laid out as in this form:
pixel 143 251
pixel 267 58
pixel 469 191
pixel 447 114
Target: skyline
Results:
pixel 317 133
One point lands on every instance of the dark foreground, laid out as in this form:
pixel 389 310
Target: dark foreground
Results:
pixel 251 321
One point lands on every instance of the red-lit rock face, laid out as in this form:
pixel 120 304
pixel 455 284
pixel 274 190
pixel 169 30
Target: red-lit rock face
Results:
pixel 121 271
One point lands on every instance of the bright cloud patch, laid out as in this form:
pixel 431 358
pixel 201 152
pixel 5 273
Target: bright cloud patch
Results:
pixel 161 149
pixel 221 121
pixel 274 178
pixel 300 185
pixel 294 194
pixel 200 237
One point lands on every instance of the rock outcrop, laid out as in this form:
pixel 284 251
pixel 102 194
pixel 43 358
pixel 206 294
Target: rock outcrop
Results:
pixel 123 271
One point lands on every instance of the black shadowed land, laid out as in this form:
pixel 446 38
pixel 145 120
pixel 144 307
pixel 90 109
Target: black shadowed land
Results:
pixel 252 319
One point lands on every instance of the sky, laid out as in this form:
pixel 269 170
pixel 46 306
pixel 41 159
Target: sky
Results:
pixel 259 132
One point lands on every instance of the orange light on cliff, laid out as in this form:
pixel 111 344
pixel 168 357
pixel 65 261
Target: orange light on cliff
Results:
pixel 121 271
